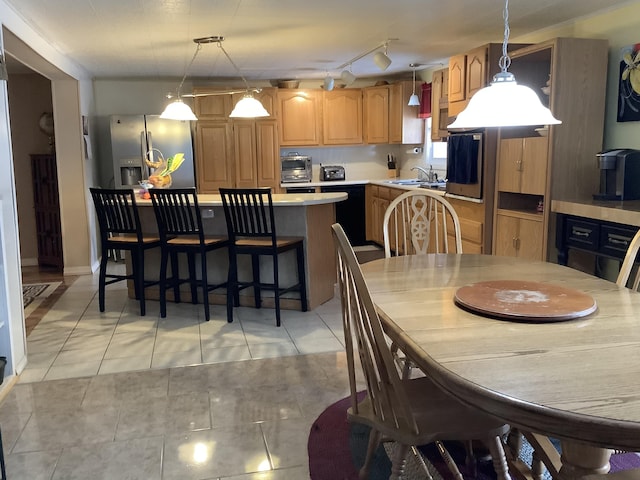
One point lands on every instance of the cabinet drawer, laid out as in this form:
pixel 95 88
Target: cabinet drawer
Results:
pixel 615 241
pixel 582 234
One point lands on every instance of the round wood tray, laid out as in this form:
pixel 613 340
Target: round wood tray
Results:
pixel 525 301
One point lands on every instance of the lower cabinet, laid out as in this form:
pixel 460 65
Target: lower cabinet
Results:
pixel 519 237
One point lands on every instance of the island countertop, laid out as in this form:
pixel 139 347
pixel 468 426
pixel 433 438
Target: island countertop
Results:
pixel 279 199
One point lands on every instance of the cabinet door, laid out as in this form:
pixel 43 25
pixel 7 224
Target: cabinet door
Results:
pixel 342 117
pixel 510 165
pixel 457 78
pixel 436 94
pixel 214 156
pixel 212 107
pixel 244 143
pixel 299 117
pixel 376 114
pixel 268 154
pixel 519 237
pixel 506 241
pixel 404 124
pixel 476 73
pixel 534 165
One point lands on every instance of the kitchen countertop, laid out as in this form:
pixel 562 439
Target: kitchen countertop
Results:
pixel 626 213
pixel 383 183
pixel 279 199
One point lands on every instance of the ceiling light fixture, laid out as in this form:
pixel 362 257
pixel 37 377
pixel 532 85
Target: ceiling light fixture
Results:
pixel 247 107
pixel 381 61
pixel 328 83
pixel 504 103
pixel 178 110
pixel 414 101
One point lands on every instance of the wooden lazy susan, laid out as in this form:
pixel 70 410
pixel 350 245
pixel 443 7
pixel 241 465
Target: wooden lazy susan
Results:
pixel 525 301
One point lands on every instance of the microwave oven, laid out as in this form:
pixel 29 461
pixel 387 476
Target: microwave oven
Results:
pixel 464 164
pixel 295 168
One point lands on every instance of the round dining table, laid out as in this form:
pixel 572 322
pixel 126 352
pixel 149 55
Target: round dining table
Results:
pixel 571 377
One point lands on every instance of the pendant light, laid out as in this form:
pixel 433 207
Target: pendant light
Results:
pixel 504 103
pixel 414 101
pixel 178 110
pixel 248 106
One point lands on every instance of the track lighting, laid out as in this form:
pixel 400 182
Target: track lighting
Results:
pixel 347 76
pixel 328 83
pixel 381 59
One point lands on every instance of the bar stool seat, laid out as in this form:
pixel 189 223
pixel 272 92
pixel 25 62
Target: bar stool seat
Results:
pixel 120 229
pixel 251 230
pixel 180 226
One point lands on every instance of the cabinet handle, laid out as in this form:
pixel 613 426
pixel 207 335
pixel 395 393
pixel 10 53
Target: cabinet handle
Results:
pixel 516 243
pixel 580 233
pixel 519 165
pixel 615 241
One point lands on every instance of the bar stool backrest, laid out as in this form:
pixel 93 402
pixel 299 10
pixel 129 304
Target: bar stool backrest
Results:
pixel 177 212
pixel 249 213
pixel 117 212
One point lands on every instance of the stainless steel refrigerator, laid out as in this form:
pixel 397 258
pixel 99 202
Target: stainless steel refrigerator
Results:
pixel 136 137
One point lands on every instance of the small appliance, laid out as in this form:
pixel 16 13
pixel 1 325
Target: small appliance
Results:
pixel 619 174
pixel 331 173
pixel 295 168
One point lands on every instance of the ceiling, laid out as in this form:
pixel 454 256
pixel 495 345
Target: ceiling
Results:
pixel 280 39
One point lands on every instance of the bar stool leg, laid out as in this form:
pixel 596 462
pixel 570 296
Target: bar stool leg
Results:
pixel 302 278
pixel 232 286
pixel 2 466
pixel 164 259
pixel 255 267
pixel 276 289
pixel 205 284
pixel 193 281
pixel 175 277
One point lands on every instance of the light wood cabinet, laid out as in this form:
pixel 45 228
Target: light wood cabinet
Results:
pixel 472 224
pixel 532 170
pixel 256 154
pixel 214 155
pixel 457 78
pixel 376 114
pixel 439 105
pixel 300 117
pixel 342 117
pixel 377 200
pixel 520 237
pixel 212 107
pixel 522 165
pixel 404 124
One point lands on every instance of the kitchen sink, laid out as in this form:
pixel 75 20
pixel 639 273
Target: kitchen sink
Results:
pixel 405 181
pixel 417 182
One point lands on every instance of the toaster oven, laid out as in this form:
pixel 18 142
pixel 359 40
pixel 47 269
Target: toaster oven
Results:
pixel 295 168
pixel 330 173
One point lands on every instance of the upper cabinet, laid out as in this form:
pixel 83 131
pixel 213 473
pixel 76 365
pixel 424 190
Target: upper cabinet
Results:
pixel 471 71
pixel 212 107
pixel 376 114
pixel 300 117
pixel 342 116
pixel 439 105
pixel 404 124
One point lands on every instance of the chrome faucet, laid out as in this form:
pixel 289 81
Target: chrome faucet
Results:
pixel 430 174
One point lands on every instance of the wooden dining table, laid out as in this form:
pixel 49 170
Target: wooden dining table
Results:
pixel 575 379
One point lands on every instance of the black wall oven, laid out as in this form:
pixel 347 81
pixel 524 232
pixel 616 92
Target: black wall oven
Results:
pixel 465 164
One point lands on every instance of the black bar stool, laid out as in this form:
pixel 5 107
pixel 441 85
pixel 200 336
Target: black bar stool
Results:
pixel 251 230
pixel 120 229
pixel 180 227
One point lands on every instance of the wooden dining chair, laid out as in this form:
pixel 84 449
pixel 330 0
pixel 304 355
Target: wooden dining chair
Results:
pixel 252 231
pixel 419 222
pixel 180 226
pixel 408 411
pixel 627 265
pixel 120 229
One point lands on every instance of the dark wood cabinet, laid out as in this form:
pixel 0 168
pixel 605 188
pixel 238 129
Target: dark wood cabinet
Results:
pixel 46 202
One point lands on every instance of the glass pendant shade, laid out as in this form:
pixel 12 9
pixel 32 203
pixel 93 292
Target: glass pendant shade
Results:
pixel 249 107
pixel 178 110
pixel 414 101
pixel 504 103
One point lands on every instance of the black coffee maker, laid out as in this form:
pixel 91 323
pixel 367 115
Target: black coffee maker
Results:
pixel 619 175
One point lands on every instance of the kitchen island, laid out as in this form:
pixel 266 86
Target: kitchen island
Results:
pixel 309 215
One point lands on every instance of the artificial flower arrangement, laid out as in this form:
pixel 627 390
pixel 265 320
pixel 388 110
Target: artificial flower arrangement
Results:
pixel 162 170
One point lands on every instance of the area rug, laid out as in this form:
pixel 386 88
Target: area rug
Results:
pixel 33 294
pixel 337 449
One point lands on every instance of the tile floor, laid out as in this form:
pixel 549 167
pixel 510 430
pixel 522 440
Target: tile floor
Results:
pixel 119 396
